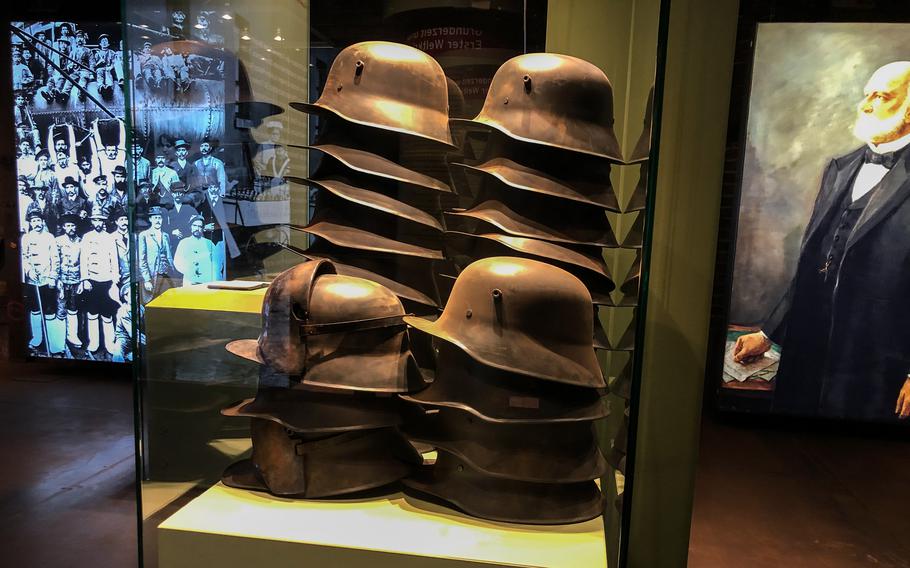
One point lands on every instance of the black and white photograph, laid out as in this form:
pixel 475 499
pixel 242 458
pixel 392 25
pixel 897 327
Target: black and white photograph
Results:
pixel 72 188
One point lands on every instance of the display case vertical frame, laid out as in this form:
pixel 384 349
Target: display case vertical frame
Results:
pixel 136 322
pixel 641 313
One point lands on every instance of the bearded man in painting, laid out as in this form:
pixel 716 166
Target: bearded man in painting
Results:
pixel 842 324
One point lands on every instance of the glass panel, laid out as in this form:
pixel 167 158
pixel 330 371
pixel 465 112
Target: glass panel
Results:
pixel 333 179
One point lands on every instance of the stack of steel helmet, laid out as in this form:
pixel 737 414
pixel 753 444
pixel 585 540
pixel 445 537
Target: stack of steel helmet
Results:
pixel 541 188
pixel 333 355
pixel 382 175
pixel 516 396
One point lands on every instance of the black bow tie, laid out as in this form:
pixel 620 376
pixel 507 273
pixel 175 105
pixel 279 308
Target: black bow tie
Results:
pixel 887 160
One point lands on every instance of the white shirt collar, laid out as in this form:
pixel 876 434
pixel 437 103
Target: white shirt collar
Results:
pixel 892 146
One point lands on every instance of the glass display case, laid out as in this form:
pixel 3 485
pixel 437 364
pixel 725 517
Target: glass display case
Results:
pixel 387 259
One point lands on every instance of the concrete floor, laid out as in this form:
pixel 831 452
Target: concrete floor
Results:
pixel 820 499
pixel 67 485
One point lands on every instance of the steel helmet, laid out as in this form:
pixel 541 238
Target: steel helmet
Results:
pixel 539 169
pixel 372 164
pixel 411 271
pixel 351 267
pixel 499 396
pixel 343 189
pixel 319 411
pixel 334 331
pixel 544 452
pixel 290 464
pixel 477 494
pixel 388 86
pixel 553 100
pixel 539 217
pixel 464 248
pixel 521 316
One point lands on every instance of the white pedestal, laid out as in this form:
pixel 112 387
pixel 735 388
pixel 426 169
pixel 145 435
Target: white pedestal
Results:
pixel 227 528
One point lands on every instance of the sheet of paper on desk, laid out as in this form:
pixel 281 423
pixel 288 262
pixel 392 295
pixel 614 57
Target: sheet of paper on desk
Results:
pixel 764 367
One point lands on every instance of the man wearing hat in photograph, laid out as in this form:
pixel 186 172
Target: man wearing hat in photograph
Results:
pixel 161 173
pixel 194 254
pixel 45 174
pixel 22 115
pixel 119 190
pixel 142 168
pixel 121 236
pixel 155 257
pixel 148 67
pixel 103 201
pixel 42 201
pixel 103 62
pixel 208 167
pixel 39 274
pixel 24 193
pixel 216 227
pixel 69 275
pixel 185 169
pixel 99 270
pixel 65 168
pixel 84 57
pixel 72 204
pixel 177 222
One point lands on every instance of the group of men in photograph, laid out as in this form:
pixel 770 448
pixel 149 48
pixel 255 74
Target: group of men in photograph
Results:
pixel 60 58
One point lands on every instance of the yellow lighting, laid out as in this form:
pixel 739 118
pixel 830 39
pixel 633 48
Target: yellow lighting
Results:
pixel 513 241
pixel 540 62
pixel 246 35
pixel 226 17
pixel 504 268
pixel 348 289
pixel 397 52
pixel 278 35
pixel 400 113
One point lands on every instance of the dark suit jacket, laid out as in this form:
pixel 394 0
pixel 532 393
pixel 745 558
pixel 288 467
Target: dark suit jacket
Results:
pixel 859 359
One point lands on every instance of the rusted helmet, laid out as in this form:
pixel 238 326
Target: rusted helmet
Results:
pixel 544 452
pixel 477 494
pixel 464 248
pixel 376 200
pixel 581 185
pixel 521 316
pixel 394 272
pixel 499 396
pixel 554 100
pixel 290 464
pixel 372 164
pixel 334 331
pixel 539 217
pixel 389 86
pixel 333 227
pixel 319 411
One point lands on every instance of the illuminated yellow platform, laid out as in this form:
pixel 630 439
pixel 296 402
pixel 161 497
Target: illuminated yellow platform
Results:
pixel 227 528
